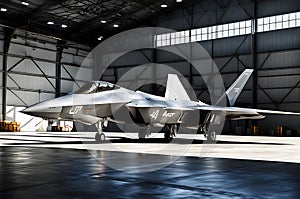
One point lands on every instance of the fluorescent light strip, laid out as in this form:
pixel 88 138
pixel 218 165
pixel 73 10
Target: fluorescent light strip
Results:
pixel 25 3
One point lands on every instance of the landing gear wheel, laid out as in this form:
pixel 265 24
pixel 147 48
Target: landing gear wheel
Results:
pixel 100 137
pixel 211 136
pixel 167 135
pixel 142 134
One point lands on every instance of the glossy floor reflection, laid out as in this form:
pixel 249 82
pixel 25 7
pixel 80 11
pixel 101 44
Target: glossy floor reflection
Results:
pixel 66 173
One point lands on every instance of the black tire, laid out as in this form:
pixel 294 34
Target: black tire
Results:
pixel 97 137
pixel 142 134
pixel 211 136
pixel 100 137
pixel 168 137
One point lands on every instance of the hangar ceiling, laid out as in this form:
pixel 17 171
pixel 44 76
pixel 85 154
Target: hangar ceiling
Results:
pixel 82 20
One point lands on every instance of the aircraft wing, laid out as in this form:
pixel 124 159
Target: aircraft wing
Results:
pixel 276 112
pixel 230 111
pixel 244 110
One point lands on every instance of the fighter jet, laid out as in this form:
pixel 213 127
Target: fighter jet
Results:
pixel 98 102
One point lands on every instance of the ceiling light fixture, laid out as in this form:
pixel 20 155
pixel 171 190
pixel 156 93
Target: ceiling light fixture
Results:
pixel 178 1
pixel 164 5
pixel 50 23
pixel 103 21
pixel 3 9
pixel 64 26
pixel 25 3
pixel 116 25
pixel 100 38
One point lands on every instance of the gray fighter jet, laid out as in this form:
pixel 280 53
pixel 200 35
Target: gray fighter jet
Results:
pixel 97 103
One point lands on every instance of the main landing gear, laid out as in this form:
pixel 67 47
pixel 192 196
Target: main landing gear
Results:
pixel 210 135
pixel 171 133
pixel 144 132
pixel 173 129
pixel 100 136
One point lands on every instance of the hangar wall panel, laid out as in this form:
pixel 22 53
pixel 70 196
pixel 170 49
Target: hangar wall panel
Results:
pixel 78 74
pixel 75 69
pixel 206 16
pixel 25 98
pixel 68 71
pixel 28 66
pixel 278 40
pixel 133 58
pixel 68 86
pixel 73 58
pixel 36 83
pixel 176 21
pixel 275 7
pixel 32 52
pixel 238 45
pixel 278 60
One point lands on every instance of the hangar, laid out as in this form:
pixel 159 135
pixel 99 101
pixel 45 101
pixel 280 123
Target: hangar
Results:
pixel 45 50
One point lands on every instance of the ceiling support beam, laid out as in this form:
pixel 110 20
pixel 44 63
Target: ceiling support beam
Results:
pixel 7 38
pixel 58 67
pixel 154 69
pixel 191 46
pixel 254 58
pixel 254 55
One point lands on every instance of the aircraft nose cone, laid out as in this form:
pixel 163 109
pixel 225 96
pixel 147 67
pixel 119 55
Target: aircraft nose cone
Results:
pixel 40 110
pixel 26 110
pixel 34 108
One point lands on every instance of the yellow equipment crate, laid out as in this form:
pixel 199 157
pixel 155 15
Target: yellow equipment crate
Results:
pixel 279 131
pixel 255 130
pixel 10 126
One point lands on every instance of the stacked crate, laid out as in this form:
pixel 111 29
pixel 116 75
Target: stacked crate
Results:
pixel 9 126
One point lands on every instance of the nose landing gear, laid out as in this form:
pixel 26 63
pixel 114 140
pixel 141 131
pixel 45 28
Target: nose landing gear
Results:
pixel 100 136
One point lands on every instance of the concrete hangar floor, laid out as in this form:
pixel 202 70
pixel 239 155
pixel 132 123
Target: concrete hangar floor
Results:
pixel 44 165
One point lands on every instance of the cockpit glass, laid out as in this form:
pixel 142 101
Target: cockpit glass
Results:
pixel 96 87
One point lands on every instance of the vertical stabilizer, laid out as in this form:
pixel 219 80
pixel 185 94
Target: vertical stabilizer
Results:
pixel 236 88
pixel 175 89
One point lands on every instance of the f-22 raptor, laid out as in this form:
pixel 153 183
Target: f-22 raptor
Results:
pixel 98 102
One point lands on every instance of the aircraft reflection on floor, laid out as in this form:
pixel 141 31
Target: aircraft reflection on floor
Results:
pixel 68 173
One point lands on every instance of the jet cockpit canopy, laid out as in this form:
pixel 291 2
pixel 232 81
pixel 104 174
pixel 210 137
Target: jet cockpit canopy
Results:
pixel 96 87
